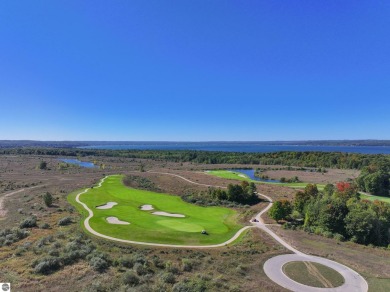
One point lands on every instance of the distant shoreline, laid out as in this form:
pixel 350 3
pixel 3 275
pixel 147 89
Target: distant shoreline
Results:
pixel 100 144
pixel 376 147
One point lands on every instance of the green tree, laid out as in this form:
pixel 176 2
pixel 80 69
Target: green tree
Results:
pixel 311 190
pixel 280 210
pixel 48 199
pixel 359 224
pixel 329 189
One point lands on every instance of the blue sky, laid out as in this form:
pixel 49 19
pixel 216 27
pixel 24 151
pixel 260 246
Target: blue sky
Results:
pixel 194 70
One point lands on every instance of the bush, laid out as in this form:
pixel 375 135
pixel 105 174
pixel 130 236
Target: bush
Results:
pixel 327 234
pixel 98 264
pixel 171 267
pixel 65 221
pixel 339 237
pixel 140 269
pixel 126 262
pixel 187 265
pixel 28 222
pixel 168 278
pixel 47 266
pixel 45 226
pixel 130 278
pixel 54 253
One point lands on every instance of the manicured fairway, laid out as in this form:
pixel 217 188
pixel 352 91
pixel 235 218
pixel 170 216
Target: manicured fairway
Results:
pixel 220 223
pixel 373 198
pixel 239 176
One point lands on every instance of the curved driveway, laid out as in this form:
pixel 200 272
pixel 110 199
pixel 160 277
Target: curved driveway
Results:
pixel 273 267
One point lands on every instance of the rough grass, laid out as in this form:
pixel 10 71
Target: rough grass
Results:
pixel 227 174
pixel 378 284
pixel 318 275
pixel 220 223
pixel 373 198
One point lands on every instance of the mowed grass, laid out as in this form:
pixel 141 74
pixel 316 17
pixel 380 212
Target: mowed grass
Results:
pixel 219 222
pixel 227 174
pixel 313 274
pixel 373 198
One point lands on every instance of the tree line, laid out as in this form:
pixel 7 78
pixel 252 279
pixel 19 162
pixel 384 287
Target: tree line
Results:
pixel 238 194
pixel 290 158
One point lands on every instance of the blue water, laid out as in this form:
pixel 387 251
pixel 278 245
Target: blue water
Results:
pixel 240 147
pixel 251 174
pixel 78 162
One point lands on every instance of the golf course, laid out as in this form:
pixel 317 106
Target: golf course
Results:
pixel 137 215
pixel 228 174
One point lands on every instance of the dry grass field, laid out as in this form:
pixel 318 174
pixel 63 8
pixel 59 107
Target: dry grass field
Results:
pixel 136 268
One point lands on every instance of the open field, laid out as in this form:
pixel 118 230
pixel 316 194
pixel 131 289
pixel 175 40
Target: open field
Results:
pixel 313 274
pixel 145 226
pixel 227 174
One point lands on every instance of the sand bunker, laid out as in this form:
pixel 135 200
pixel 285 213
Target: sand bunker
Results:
pixel 146 207
pixel 241 175
pixel 108 205
pixel 114 220
pixel 168 214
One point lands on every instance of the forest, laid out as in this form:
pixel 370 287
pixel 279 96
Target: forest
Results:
pixel 336 212
pixel 303 159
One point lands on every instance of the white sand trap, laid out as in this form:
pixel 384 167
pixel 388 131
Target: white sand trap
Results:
pixel 108 205
pixel 241 175
pixel 146 207
pixel 114 220
pixel 168 214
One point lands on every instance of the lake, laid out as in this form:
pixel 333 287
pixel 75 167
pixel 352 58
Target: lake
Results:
pixel 251 174
pixel 78 162
pixel 240 147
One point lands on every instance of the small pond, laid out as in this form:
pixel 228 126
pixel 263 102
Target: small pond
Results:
pixel 78 162
pixel 251 174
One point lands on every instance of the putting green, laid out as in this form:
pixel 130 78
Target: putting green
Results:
pixel 227 174
pixel 220 223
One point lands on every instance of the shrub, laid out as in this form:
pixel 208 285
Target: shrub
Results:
pixel 339 237
pixel 65 221
pixel 327 234
pixel 47 266
pixel 45 226
pixel 20 233
pixel 54 253
pixel 158 263
pixel 28 222
pixel 98 264
pixel 140 269
pixel 126 262
pixel 171 267
pixel 168 278
pixel 139 258
pixel 187 265
pixel 130 278
pixel 71 257
pixel 48 199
